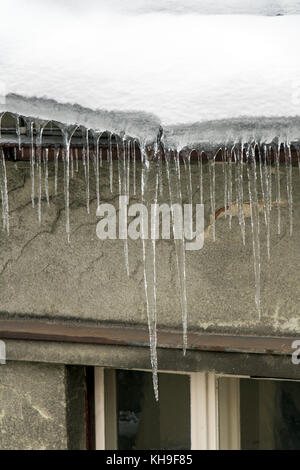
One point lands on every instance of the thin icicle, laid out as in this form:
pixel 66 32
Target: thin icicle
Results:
pixel 239 181
pixel 124 171
pixel 229 185
pixel 67 134
pixel 83 154
pixel 128 169
pixel 212 190
pixel 225 171
pixel 39 136
pixel 277 159
pixel 4 194
pixel 178 241
pixel 18 131
pixel 134 168
pixel 262 185
pixel 72 163
pixel 46 156
pixel 111 170
pixel 97 170
pixel 289 183
pixel 76 160
pixel 119 168
pixel 32 164
pixel 160 175
pixel 87 172
pixel 200 168
pixel 149 257
pixel 187 167
pixel 56 154
pixel 123 191
pixel 254 212
pixel 267 183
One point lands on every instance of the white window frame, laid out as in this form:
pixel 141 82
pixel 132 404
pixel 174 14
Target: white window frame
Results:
pixel 213 427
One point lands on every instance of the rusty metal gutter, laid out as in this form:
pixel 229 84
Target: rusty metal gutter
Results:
pixel 39 331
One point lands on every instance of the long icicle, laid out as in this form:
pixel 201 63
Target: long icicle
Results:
pixel 230 186
pixel 39 136
pixel 46 156
pixel 212 189
pixel 277 158
pixel 87 171
pixel 4 192
pixel 111 168
pixel 254 212
pixel 149 272
pixel 178 240
pixel 289 182
pixel 32 164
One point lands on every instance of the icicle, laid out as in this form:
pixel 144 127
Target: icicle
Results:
pixel 56 154
pixel 111 174
pixel 277 158
pixel 225 171
pixel 289 185
pixel 149 260
pixel 187 167
pixel 72 163
pixel 160 175
pixel 134 168
pixel 46 152
pixel 262 186
pixel 83 154
pixel 39 136
pixel 124 178
pixel 200 168
pixel 2 199
pixel 154 311
pixel 128 169
pixel 212 188
pixel 87 172
pixel 119 168
pixel 254 212
pixel 267 179
pixel 229 185
pixel 179 242
pixel 239 181
pixel 18 131
pixel 67 135
pixel 76 159
pixel 123 191
pixel 4 194
pixel 97 171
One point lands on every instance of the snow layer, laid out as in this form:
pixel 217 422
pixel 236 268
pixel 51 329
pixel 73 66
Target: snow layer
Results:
pixel 183 68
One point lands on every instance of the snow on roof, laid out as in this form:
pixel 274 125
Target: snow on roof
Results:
pixel 182 68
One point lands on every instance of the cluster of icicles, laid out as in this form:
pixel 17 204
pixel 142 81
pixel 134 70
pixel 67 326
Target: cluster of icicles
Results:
pixel 243 162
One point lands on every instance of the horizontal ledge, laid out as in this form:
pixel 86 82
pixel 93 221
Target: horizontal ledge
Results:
pixel 139 337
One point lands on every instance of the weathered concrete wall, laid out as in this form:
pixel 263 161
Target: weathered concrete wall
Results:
pixel 42 406
pixel 44 276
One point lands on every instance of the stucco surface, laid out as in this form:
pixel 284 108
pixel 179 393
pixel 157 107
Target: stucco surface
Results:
pixel 33 406
pixel 43 276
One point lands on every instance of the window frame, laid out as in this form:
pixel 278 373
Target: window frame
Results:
pixel 204 409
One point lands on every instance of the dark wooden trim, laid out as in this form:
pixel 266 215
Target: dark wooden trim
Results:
pixel 29 330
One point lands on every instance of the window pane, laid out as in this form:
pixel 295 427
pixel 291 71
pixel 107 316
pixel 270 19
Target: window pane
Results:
pixel 270 414
pixel 145 424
